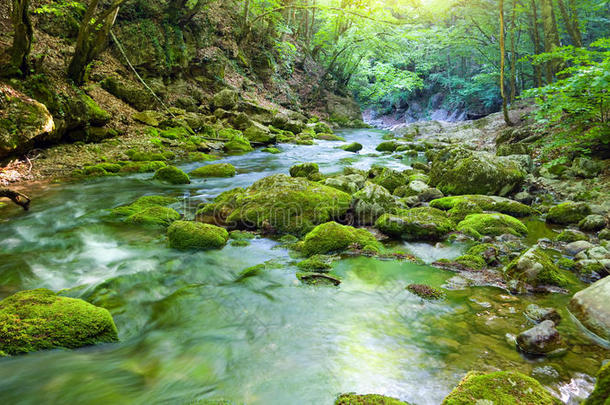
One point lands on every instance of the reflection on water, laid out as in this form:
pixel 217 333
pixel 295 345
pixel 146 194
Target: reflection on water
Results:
pixel 189 331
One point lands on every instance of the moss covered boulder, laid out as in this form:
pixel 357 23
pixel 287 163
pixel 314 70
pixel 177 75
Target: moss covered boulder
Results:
pixel 352 147
pixel 154 216
pixel 367 399
pixel 23 121
pixel 226 99
pixel 388 178
pixel 568 213
pixel 332 237
pixel 499 388
pixel 310 171
pixel 388 146
pixel 535 268
pixel 278 204
pixel 40 319
pixel 601 393
pixel 184 235
pixel 477 225
pixel 142 204
pixel 350 183
pixel 590 307
pixel 371 202
pixel 486 203
pixel 423 223
pixel 171 175
pixel 215 170
pixel 461 171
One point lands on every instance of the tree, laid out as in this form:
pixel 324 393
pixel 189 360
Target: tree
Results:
pixel 502 65
pixel 570 20
pixel 20 199
pixel 92 37
pixel 22 38
pixel 551 37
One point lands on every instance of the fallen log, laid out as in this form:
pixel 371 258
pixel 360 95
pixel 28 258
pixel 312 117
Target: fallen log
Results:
pixel 20 199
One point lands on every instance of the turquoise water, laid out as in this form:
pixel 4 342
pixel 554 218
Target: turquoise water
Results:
pixel 189 331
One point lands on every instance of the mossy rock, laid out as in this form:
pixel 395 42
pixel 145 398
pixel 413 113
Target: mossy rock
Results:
pixel 142 204
pixel 215 170
pixel 149 117
pixel 259 134
pixel 352 147
pixel 330 137
pixel 472 262
pixel 570 235
pixel 40 320
pixel 322 128
pixel 142 167
pixel 142 156
pixel 278 204
pixel 535 268
pixel 201 157
pixel 488 252
pixel 184 235
pixel 226 99
pixel 568 213
pixel 499 388
pixel 172 175
pixel 389 146
pixel 457 171
pixel 390 179
pixel 130 92
pixel 371 202
pixel 273 151
pixel 350 183
pixel 477 225
pixel 423 223
pixel 486 203
pixel 310 171
pixel 462 209
pixel 318 278
pixel 367 399
pixel 154 216
pixel 238 145
pixel 316 263
pixel 601 393
pixel 424 291
pixel 332 237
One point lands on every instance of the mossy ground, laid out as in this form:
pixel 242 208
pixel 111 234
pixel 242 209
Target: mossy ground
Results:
pixel 39 320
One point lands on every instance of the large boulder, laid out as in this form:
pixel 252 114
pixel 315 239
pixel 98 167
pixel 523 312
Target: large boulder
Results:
pixel 371 202
pixel 541 339
pixel 461 171
pixel 350 183
pixel 535 268
pixel 423 223
pixel 590 307
pixel 226 99
pixel 388 178
pixel 23 121
pixel 130 92
pixel 40 319
pixel 486 203
pixel 332 237
pixel 492 225
pixel 278 204
pixel 568 213
pixel 184 235
pixel 500 387
pixel 215 170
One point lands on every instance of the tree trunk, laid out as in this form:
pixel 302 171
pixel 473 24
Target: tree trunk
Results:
pixel 536 40
pixel 22 39
pixel 571 23
pixel 551 37
pixel 513 55
pixel 21 200
pixel 502 64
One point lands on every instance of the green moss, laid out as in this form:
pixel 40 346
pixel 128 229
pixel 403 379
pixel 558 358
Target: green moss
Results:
pixel 172 175
pixel 201 157
pixel 215 170
pixel 535 268
pixel 423 223
pixel 142 167
pixel 368 399
pixel 317 263
pixel 185 235
pixel 175 133
pixel 273 151
pixel 568 213
pixel 238 145
pixel 281 204
pixel 601 393
pixel 333 237
pixel 39 320
pixel 491 224
pixel 352 147
pixel 565 263
pixel 486 203
pixel 389 146
pixel 97 115
pixel 142 204
pixel 154 216
pixel 462 209
pixel 486 251
pixel 499 388
pixel 322 128
pixel 330 137
pixel 241 235
pixel 390 179
pixel 569 235
pixel 425 291
pixel 472 262
pixel 141 156
pixel 318 278
pixel 310 171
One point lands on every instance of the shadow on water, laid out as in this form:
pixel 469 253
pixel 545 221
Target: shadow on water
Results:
pixel 189 331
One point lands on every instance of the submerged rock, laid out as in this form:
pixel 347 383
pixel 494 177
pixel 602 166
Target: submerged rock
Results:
pixel 535 268
pixel 422 223
pixel 368 399
pixel 318 279
pixel 186 235
pixel 542 339
pixel 425 292
pixel 538 314
pixel 332 237
pixel 501 387
pixel 40 320
pixel 590 307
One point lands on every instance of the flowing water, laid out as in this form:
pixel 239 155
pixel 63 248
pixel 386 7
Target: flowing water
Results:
pixel 189 331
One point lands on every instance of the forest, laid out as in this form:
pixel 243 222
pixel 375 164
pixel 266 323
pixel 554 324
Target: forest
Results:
pixel 305 202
